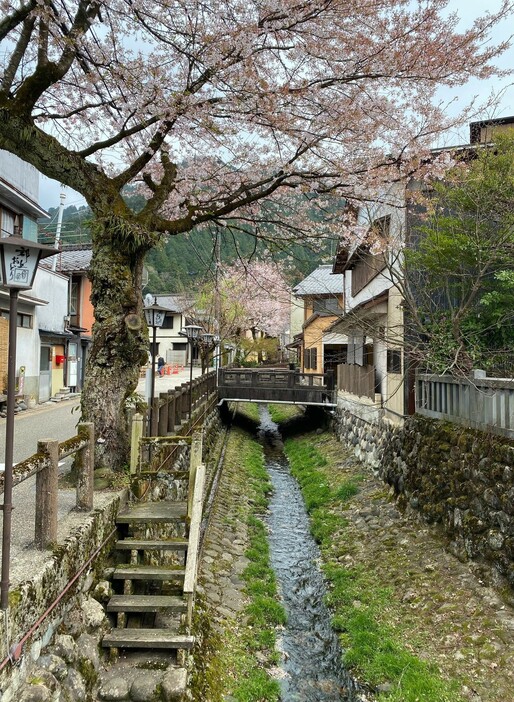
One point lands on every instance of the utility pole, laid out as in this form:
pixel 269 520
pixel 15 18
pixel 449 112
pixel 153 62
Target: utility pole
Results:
pixel 217 300
pixel 58 229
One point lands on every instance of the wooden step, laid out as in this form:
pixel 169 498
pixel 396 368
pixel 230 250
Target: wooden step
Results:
pixel 147 638
pixel 142 572
pixel 153 512
pixel 175 544
pixel 174 474
pixel 146 603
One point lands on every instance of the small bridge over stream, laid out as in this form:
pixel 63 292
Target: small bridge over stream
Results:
pixel 276 385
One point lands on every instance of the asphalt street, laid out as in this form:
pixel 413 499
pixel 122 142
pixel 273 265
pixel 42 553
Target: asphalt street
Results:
pixel 48 421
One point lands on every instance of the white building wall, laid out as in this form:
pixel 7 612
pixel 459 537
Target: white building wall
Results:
pixel 20 174
pixel 52 287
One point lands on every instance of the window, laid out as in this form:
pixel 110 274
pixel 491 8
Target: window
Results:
pixel 74 297
pixel 394 361
pixel 23 320
pixel 311 359
pixel 74 302
pixel 168 321
pixel 10 223
pixel 179 346
pixel 326 305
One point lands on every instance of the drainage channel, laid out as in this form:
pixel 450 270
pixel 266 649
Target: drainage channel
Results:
pixel 312 666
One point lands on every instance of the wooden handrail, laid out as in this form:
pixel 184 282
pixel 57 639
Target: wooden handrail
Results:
pixel 193 547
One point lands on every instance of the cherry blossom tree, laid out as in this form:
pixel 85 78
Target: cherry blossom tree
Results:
pixel 246 298
pixel 224 112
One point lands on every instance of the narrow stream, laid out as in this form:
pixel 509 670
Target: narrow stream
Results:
pixel 312 665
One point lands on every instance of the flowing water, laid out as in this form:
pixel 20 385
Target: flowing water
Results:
pixel 312 668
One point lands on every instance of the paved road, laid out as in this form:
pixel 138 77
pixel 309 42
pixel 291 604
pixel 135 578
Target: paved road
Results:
pixel 53 421
pixel 59 420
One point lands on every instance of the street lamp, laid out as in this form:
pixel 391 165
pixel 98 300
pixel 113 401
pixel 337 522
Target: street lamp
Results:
pixel 154 315
pixel 207 338
pixel 192 332
pixel 19 259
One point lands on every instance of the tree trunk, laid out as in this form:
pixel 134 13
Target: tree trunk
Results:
pixel 120 336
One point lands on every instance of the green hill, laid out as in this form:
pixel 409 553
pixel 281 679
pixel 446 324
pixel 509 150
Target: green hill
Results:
pixel 180 262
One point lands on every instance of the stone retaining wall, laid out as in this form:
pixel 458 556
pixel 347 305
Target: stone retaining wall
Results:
pixel 30 600
pixel 62 659
pixel 459 478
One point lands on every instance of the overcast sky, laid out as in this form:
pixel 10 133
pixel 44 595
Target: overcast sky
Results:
pixel 503 89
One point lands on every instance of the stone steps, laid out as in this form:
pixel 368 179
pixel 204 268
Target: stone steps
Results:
pixel 146 603
pixel 144 572
pixel 147 638
pixel 173 544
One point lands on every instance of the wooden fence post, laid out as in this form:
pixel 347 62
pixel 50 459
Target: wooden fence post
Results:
pixel 85 465
pixel 136 433
pixel 46 495
pixel 162 428
pixel 172 405
pixel 185 402
pixel 178 408
pixel 194 461
pixel 155 417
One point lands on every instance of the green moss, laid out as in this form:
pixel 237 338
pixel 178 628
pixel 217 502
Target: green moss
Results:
pixel 233 661
pixel 87 670
pixel 15 597
pixel 374 650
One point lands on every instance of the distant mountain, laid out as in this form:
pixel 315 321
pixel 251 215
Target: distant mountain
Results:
pixel 180 262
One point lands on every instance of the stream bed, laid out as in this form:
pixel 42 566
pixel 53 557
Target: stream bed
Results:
pixel 312 668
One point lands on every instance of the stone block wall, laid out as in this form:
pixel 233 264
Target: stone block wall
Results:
pixel 459 478
pixel 61 659
pixel 71 614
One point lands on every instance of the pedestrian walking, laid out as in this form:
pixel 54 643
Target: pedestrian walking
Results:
pixel 160 365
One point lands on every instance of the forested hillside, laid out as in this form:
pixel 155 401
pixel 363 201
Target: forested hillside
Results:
pixel 179 263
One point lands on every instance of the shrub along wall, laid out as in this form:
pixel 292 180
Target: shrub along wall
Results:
pixel 459 478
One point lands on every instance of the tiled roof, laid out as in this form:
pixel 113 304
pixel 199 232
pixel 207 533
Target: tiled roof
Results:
pixel 175 303
pixel 321 282
pixel 72 259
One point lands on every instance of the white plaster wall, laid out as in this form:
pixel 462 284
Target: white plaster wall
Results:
pixel 392 204
pixel 297 314
pixel 20 174
pixel 27 351
pixel 52 287
pixel 166 337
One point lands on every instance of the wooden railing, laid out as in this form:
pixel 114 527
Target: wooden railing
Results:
pixel 45 466
pixel 195 510
pixel 357 380
pixel 275 385
pixel 171 409
pixel 172 421
pixel 478 402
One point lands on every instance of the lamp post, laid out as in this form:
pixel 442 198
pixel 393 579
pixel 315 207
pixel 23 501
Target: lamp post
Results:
pixel 18 265
pixel 154 315
pixel 207 338
pixel 217 351
pixel 192 333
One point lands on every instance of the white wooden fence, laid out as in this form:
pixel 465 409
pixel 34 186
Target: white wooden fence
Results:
pixel 478 402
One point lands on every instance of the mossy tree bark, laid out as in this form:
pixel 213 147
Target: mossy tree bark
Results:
pixel 120 336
